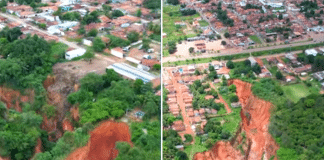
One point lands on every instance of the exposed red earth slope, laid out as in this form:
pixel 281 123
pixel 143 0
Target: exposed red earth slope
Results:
pixel 255 116
pixel 12 98
pixel 101 145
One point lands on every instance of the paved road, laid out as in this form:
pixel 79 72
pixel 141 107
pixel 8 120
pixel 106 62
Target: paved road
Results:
pixel 62 40
pixel 23 22
pixel 173 58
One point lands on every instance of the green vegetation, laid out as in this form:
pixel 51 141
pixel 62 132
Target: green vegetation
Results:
pixel 203 23
pixel 296 91
pixel 170 140
pixel 199 93
pixel 297 128
pixel 117 42
pixel 147 145
pixel 71 16
pixel 91 18
pixel 191 150
pixel 16 129
pixel 222 16
pixel 171 14
pixel 255 38
pixel 152 4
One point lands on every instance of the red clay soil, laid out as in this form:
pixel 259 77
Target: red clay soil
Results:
pixel 228 109
pixel 12 98
pixel 102 142
pixel 51 126
pixel 4 158
pixel 67 125
pixel 255 116
pixel 38 147
pixel 180 102
pixel 75 113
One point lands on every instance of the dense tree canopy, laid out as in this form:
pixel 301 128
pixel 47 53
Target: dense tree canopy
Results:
pixel 299 128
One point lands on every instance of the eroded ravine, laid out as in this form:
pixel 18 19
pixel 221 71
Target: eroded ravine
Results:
pixel 255 115
pixel 102 142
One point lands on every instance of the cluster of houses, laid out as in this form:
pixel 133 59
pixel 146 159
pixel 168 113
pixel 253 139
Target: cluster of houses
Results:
pixel 262 18
pixel 185 76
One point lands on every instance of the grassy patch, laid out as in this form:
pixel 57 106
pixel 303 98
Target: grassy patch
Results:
pixel 171 14
pixel 255 39
pixel 296 91
pixel 58 50
pixel 203 23
pixel 191 150
pixel 232 120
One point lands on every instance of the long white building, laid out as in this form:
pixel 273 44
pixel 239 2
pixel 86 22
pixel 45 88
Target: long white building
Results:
pixel 132 72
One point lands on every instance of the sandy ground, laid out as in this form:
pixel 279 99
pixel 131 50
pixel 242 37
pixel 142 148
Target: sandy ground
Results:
pixel 81 68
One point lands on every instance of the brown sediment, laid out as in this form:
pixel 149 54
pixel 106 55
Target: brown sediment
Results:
pixel 13 98
pixel 102 142
pixel 67 125
pixel 255 116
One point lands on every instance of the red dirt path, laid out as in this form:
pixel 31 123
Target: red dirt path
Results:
pixel 102 142
pixel 180 102
pixel 255 116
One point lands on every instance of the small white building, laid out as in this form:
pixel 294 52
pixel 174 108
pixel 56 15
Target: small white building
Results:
pixel 311 52
pixel 87 42
pixel 74 53
pixel 252 60
pixel 118 52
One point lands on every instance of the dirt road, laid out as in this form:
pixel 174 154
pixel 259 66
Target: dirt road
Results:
pixel 180 102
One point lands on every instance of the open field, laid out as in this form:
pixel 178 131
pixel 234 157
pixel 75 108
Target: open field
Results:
pixel 194 148
pixel 255 39
pixel 171 15
pixel 296 91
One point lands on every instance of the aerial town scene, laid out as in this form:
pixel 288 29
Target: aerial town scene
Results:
pixel 80 79
pixel 243 80
pixel 161 80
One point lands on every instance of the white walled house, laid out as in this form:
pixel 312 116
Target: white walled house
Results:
pixel 118 52
pixel 74 53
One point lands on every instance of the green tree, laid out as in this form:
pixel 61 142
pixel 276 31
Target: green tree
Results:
pixel 230 64
pixel 173 2
pixel 81 30
pixel 232 88
pixel 279 75
pixel 172 47
pixel 98 44
pixel 191 50
pixel 93 33
pixel 226 35
pixel 92 82
pixel 88 56
pixel 110 76
pixel 223 43
pixel 133 36
pixel 234 98
pixel 280 16
pixel 188 137
pixel 157 67
pixel 117 13
pixel 138 13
